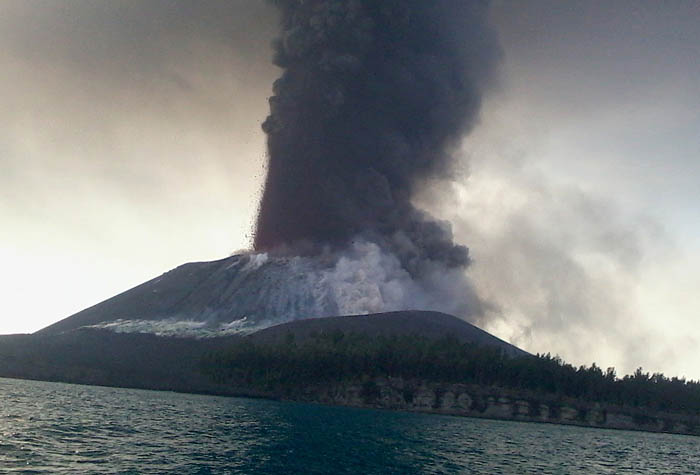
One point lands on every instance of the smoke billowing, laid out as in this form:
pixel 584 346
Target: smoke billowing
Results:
pixel 373 98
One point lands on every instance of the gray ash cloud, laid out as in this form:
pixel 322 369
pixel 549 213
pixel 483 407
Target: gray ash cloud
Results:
pixel 372 99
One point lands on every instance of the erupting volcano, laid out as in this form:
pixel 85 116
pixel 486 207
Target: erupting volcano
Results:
pixel 373 99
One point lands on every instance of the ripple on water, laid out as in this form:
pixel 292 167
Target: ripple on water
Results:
pixel 49 427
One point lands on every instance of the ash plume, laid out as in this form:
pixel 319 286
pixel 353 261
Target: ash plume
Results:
pixel 373 97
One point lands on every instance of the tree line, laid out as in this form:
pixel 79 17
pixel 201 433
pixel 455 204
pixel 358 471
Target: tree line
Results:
pixel 336 356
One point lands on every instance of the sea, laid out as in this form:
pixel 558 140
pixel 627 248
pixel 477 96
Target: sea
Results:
pixel 64 428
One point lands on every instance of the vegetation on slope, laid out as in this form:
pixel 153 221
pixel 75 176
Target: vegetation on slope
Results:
pixel 335 356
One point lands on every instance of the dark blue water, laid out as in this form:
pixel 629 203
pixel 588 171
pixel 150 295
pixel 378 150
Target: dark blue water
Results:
pixel 50 427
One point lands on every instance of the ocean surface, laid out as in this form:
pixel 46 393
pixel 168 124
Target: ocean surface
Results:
pixel 54 427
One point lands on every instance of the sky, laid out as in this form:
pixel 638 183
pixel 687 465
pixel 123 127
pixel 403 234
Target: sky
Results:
pixel 131 143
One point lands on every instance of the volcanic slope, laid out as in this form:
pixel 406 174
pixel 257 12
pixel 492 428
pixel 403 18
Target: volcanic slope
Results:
pixel 241 293
pixel 431 325
pixel 266 298
pixel 248 292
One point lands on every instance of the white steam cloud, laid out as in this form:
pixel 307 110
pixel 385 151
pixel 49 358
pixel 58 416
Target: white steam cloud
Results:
pixel 258 290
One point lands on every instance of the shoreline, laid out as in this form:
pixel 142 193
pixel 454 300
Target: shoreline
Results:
pixel 495 403
pixel 450 400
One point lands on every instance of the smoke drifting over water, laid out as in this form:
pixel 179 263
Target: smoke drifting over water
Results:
pixel 372 99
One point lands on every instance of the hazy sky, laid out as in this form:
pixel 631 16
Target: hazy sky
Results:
pixel 131 143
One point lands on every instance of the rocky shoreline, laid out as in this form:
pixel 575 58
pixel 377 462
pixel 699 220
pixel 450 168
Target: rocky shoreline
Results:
pixel 448 399
pixel 490 403
pixel 100 357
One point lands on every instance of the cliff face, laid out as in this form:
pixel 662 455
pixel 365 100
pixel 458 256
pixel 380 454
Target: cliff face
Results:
pixel 492 403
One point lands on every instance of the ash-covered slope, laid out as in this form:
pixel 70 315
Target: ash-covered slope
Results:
pixel 248 292
pixel 427 324
pixel 219 296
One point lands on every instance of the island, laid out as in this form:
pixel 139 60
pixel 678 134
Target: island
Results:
pixel 410 361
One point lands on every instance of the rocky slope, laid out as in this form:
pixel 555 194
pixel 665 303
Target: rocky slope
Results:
pixel 247 292
pixel 224 296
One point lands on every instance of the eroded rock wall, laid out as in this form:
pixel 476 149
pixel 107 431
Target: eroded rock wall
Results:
pixel 494 403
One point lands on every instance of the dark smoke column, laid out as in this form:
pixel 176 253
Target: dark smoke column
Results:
pixel 373 97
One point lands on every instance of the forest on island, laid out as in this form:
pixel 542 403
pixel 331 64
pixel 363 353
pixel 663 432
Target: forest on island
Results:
pixel 336 356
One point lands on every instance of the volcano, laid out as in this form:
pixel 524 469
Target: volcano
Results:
pixel 248 292
pixel 372 103
pixel 266 297
pixel 155 335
